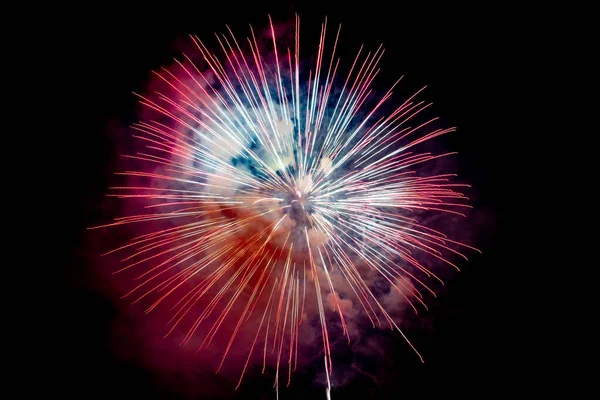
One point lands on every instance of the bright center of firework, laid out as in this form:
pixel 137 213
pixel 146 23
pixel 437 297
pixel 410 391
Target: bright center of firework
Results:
pixel 298 208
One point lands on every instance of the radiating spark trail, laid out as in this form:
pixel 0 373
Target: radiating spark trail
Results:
pixel 273 185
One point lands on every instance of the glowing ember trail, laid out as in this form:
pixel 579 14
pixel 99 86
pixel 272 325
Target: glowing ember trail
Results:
pixel 273 179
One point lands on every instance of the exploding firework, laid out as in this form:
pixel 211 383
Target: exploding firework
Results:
pixel 273 192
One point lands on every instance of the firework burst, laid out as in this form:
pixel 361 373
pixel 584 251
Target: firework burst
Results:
pixel 277 182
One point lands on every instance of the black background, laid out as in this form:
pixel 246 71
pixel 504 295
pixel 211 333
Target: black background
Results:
pixel 464 60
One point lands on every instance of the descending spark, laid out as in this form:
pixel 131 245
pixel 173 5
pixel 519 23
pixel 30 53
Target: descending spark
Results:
pixel 273 184
pixel 328 390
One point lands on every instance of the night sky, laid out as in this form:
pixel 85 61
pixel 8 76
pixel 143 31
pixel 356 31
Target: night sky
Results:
pixel 462 337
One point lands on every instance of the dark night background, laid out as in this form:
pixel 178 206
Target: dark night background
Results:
pixel 463 61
